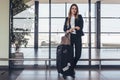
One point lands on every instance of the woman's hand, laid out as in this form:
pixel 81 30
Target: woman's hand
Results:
pixel 72 29
pixel 68 31
pixel 77 28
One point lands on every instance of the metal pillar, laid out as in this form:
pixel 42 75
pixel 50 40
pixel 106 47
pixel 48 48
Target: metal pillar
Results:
pixel 89 45
pixel 97 24
pixel 49 32
pixel 10 30
pixel 36 24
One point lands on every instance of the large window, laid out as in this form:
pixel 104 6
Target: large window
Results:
pixel 51 29
pixel 110 25
pixel 25 20
pixel 55 12
pixel 57 23
pixel 110 33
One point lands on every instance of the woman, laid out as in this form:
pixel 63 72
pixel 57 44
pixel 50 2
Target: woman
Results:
pixel 74 26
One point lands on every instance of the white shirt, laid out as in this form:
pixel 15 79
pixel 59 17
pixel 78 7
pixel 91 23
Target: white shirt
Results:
pixel 72 23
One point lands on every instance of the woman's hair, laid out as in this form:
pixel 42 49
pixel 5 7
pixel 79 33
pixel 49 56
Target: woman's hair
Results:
pixel 69 14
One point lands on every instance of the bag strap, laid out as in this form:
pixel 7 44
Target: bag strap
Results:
pixel 67 35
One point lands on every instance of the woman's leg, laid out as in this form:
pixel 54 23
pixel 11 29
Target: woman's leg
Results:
pixel 72 43
pixel 78 49
pixel 72 50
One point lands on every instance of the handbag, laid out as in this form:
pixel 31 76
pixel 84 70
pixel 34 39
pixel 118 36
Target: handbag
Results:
pixel 65 40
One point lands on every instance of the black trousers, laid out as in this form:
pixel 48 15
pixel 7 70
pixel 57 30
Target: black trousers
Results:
pixel 77 43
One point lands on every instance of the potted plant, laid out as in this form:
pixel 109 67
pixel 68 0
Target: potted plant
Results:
pixel 18 39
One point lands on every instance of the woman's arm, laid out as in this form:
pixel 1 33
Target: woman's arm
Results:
pixel 65 25
pixel 81 22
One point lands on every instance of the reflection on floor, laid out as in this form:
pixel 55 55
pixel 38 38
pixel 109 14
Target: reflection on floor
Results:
pixel 95 54
pixel 3 75
pixel 51 74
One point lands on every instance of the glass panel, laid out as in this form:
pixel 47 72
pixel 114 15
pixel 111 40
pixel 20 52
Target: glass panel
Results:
pixel 53 63
pixel 29 12
pixel 31 40
pixel 43 10
pixel 55 8
pixel 85 40
pixel 110 62
pixel 43 40
pixel 20 25
pixel 110 25
pixel 57 25
pixel 110 54
pixel 43 25
pixel 56 39
pixel 93 40
pixel 84 55
pixel 95 55
pixel 83 9
pixel 53 53
pixel 24 23
pixel 82 63
pixel 86 25
pixel 43 53
pixel 35 63
pixel 110 10
pixel 30 53
pixel 110 40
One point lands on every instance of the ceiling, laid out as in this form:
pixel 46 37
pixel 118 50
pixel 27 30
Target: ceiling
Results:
pixel 30 2
pixel 110 1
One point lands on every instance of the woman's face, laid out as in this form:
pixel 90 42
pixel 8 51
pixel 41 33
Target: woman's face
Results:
pixel 73 10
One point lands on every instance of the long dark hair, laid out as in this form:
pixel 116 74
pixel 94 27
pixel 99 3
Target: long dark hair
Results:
pixel 69 14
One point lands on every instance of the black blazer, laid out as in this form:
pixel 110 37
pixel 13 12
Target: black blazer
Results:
pixel 78 22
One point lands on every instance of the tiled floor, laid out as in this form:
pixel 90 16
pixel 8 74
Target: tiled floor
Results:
pixel 52 74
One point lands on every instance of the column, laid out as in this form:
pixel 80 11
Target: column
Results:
pixel 4 31
pixel 97 24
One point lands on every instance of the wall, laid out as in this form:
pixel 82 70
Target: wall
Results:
pixel 4 31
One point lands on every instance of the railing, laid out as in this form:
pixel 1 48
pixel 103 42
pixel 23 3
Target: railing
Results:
pixel 47 59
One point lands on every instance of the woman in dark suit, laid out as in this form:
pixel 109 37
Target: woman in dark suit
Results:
pixel 74 26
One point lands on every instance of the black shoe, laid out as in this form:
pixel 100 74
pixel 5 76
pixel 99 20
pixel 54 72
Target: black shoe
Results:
pixel 73 76
pixel 74 72
pixel 64 77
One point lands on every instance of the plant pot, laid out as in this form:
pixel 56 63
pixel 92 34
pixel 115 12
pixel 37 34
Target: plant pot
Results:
pixel 18 55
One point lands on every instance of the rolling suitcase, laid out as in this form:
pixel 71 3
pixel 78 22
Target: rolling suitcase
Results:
pixel 64 56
